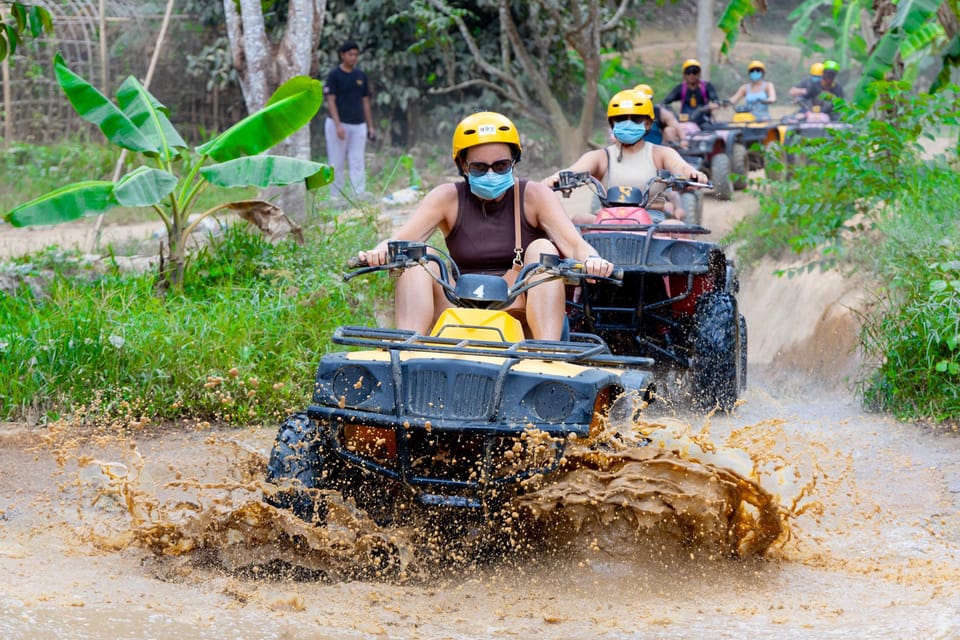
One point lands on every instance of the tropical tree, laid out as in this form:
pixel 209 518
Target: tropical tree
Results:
pixel 18 20
pixel 529 55
pixel 890 39
pixel 173 176
pixel 263 63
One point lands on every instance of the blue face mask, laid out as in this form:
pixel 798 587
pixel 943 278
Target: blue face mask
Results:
pixel 628 131
pixel 815 78
pixel 490 185
pixel 756 75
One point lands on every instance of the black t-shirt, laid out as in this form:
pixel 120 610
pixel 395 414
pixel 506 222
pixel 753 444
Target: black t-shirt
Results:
pixel 349 90
pixel 691 99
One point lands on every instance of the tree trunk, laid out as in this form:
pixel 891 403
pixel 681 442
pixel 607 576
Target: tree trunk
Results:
pixel 704 31
pixel 263 66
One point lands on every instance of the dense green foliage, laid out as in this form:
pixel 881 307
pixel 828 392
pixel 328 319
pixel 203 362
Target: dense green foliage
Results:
pixel 912 333
pixel 868 197
pixel 239 344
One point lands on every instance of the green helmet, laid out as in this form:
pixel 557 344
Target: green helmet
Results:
pixel 831 65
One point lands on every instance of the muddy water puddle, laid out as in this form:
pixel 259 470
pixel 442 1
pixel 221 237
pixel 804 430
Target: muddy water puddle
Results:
pixel 783 518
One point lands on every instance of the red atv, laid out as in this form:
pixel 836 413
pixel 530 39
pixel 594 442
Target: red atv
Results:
pixel 677 303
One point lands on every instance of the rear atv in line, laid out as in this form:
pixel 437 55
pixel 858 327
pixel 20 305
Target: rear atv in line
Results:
pixel 677 303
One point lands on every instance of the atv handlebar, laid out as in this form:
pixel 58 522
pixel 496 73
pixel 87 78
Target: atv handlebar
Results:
pixel 406 255
pixel 569 180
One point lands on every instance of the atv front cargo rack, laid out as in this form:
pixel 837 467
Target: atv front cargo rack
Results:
pixel 583 348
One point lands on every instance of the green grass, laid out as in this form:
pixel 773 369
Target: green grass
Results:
pixel 238 345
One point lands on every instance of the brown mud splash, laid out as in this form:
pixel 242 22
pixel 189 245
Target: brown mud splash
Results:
pixel 662 480
pixel 186 519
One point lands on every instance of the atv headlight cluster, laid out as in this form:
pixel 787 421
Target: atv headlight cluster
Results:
pixel 354 385
pixel 551 401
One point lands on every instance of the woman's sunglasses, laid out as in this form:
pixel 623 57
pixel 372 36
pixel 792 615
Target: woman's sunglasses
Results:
pixel 635 117
pixel 692 71
pixel 477 169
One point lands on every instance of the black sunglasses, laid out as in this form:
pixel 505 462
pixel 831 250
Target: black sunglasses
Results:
pixel 692 71
pixel 635 117
pixel 477 169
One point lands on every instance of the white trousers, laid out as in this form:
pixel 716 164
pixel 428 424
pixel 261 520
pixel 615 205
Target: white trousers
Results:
pixel 350 149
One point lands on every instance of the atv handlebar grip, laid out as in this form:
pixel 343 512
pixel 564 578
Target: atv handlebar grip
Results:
pixel 617 274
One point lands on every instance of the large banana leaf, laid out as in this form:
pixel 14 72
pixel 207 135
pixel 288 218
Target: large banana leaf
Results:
pixel 144 186
pixel 149 116
pixel 733 16
pixel 291 107
pixel 266 171
pixel 67 203
pixel 909 20
pixel 94 107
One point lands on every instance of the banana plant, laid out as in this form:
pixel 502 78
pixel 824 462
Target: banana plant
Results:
pixel 172 175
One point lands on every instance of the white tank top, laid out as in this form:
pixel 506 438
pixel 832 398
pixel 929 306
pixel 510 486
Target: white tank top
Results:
pixel 633 170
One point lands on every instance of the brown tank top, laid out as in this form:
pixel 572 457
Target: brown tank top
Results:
pixel 482 239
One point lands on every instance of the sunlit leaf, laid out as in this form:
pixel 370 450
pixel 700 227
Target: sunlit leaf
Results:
pixel 149 115
pixel 65 204
pixel 144 187
pixel 94 107
pixel 291 107
pixel 261 171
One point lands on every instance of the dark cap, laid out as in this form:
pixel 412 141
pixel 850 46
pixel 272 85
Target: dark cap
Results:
pixel 349 45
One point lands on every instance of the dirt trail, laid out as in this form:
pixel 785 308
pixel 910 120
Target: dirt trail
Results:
pixel 874 553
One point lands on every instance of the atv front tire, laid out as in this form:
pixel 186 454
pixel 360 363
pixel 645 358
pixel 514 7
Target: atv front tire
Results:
pixel 298 463
pixel 693 204
pixel 720 175
pixel 716 362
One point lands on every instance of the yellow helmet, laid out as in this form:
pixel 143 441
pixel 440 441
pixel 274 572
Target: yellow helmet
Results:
pixel 756 64
pixel 630 103
pixel 816 69
pixel 691 62
pixel 484 127
pixel 645 88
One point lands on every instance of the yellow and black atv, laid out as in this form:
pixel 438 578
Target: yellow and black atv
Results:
pixel 760 138
pixel 456 419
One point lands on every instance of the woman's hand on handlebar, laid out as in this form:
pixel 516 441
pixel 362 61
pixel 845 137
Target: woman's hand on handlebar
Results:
pixel 597 266
pixel 375 257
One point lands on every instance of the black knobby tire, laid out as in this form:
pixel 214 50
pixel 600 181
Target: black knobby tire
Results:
pixel 740 166
pixel 720 175
pixel 693 204
pixel 716 358
pixel 298 463
pixel 743 352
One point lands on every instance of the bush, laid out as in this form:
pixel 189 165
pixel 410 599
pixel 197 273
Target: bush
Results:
pixel 238 345
pixel 866 198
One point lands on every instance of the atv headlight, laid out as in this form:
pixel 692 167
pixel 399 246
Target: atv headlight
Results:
pixel 353 385
pixel 551 401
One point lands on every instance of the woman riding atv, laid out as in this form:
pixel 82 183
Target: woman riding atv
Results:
pixel 493 223
pixel 630 161
pixel 758 93
pixel 818 92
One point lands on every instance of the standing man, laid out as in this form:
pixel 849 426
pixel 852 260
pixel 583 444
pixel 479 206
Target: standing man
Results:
pixel 349 124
